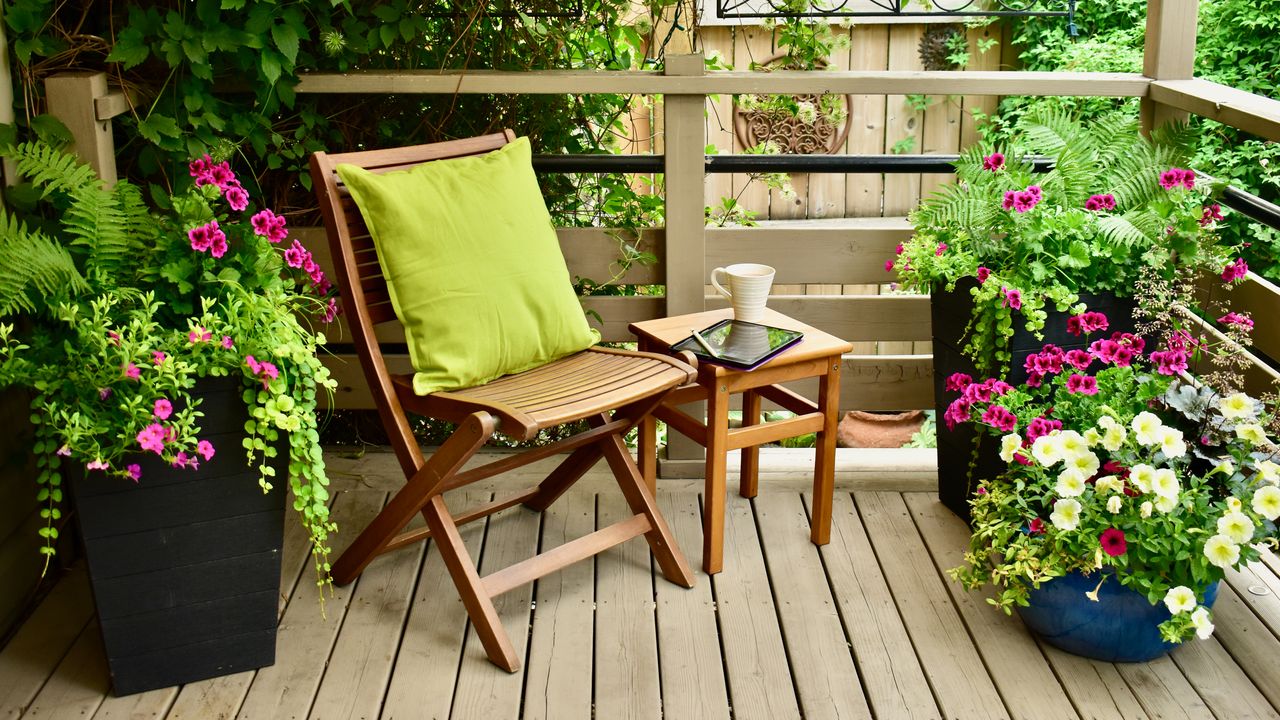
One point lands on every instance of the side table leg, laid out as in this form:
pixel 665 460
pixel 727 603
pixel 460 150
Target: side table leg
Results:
pixel 647 452
pixel 749 484
pixel 714 490
pixel 824 476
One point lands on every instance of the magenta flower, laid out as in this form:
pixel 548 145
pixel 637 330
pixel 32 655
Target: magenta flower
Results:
pixel 1113 542
pixel 888 264
pixel 1041 426
pixel 104 393
pixel 1100 202
pixel 253 364
pixel 1235 271
pixel 131 371
pixel 1012 298
pixel 1234 319
pixel 942 247
pixel 219 247
pixel 114 337
pixel 198 335
pixel 152 438
pixel 1211 214
pixel 1009 197
pixel 1025 200
pixel 1082 384
pixel 223 177
pixel 1035 527
pixel 201 237
pixel 296 256
pixel 1170 362
pixel 999 417
pixel 261 222
pixel 227 343
pixel 135 471
pixel 957 412
pixel 1087 323
pixel 158 357
pixel 957 381
pixel 993 162
pixel 331 311
pixel 899 249
pixel 1123 356
pixel 983 274
pixel 1079 359
pixel 163 409
pixel 202 170
pixel 237 198
pixel 205 448
pixel 270 370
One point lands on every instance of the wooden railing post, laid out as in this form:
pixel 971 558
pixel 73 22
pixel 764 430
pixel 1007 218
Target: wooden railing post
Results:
pixel 1170 54
pixel 73 97
pixel 685 136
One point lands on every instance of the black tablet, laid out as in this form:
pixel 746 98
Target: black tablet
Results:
pixel 739 344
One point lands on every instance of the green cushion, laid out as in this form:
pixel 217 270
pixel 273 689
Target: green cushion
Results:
pixel 473 266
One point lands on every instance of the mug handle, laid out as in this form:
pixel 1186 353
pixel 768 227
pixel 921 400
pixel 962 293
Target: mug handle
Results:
pixel 720 288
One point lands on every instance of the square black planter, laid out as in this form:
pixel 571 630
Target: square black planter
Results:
pixel 185 564
pixel 966 455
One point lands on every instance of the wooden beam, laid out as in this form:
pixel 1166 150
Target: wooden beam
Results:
pixel 1252 113
pixel 71 97
pixel 1170 54
pixel 844 251
pixel 112 104
pixel 855 317
pixel 854 82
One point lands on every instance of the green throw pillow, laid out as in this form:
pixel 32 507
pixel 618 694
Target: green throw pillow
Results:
pixel 473 266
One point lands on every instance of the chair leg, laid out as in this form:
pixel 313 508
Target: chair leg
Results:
pixel 564 476
pixel 470 436
pixel 663 544
pixel 480 608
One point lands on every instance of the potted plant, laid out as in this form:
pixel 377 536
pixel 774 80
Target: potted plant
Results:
pixel 1127 490
pixel 1009 254
pixel 173 373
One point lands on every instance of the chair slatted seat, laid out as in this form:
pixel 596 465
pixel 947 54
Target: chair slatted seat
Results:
pixel 612 390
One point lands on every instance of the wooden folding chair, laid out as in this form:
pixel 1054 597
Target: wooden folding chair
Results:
pixel 613 390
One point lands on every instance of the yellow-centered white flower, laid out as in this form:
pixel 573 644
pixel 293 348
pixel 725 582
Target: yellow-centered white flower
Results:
pixel 1114 438
pixel 1166 504
pixel 1070 483
pixel 1180 599
pixel 1266 502
pixel 1092 437
pixel 1269 471
pixel 1221 551
pixel 1237 526
pixel 1237 407
pixel 1072 443
pixel 1010 444
pixel 1066 514
pixel 1085 463
pixel 1146 426
pixel 1251 433
pixel 1200 620
pixel 1171 442
pixel 1165 483
pixel 1114 504
pixel 1046 450
pixel 1108 484
pixel 1233 504
pixel 1145 509
pixel 1142 475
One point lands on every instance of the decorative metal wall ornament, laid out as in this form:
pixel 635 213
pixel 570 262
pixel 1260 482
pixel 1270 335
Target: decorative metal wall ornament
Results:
pixel 791 133
pixel 874 8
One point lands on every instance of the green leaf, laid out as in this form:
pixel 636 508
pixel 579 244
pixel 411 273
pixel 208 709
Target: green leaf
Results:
pixel 51 130
pixel 130 49
pixel 270 66
pixel 156 126
pixel 286 39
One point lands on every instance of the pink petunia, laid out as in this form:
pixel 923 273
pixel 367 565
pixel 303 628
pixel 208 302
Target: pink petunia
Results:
pixel 152 438
pixel 888 264
pixel 983 274
pixel 163 409
pixel 1012 298
pixel 131 371
pixel 97 465
pixel 135 471
pixel 1113 542
pixel 1082 384
pixel 1234 319
pixel 158 357
pixel 899 249
pixel 205 448
pixel 227 342
pixel 1235 271
pixel 993 162
pixel 942 247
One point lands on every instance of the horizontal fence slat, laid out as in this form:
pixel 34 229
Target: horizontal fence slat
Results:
pixel 1251 113
pixel 856 318
pixel 869 382
pixel 849 251
pixel 1261 299
pixel 852 82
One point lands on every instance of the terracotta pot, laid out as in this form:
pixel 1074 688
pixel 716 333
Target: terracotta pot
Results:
pixel 874 430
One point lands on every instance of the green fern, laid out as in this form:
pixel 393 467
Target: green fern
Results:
pixel 1134 228
pixel 33 268
pixel 52 169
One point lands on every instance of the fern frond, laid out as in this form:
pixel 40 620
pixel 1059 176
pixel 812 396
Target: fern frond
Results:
pixel 955 206
pixel 33 266
pixel 1049 130
pixel 1130 229
pixel 52 169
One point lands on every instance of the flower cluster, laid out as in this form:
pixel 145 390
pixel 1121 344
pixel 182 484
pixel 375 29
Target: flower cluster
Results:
pixel 1178 177
pixel 1022 200
pixel 1160 483
pixel 1105 201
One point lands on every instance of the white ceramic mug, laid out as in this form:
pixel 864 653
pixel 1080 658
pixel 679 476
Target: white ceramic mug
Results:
pixel 748 289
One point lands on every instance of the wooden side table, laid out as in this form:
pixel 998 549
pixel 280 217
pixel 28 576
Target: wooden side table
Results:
pixel 816 356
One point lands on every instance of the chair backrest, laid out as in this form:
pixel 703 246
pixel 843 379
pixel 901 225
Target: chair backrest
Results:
pixel 365 299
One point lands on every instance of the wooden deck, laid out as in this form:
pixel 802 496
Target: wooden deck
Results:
pixel 868 626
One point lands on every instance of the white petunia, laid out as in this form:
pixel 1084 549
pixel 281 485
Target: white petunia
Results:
pixel 1009 445
pixel 1142 475
pixel 1092 437
pixel 1234 504
pixel 1180 599
pixel 1046 450
pixel 1108 484
pixel 1106 422
pixel 1114 438
pixel 1226 467
pixel 1200 619
pixel 1251 433
pixel 1145 509
pixel 1114 504
pixel 1237 407
pixel 1221 551
pixel 1070 483
pixel 1066 514
pixel 1165 483
pixel 1237 526
pixel 1085 463
pixel 1147 427
pixel 1072 444
pixel 1166 504
pixel 1266 502
pixel 1171 442
pixel 1269 471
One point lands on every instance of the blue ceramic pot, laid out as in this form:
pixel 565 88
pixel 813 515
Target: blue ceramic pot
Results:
pixel 1120 627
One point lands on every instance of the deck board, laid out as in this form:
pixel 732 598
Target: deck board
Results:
pixel 867 626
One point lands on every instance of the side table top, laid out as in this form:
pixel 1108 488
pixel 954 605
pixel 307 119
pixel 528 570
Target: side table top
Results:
pixel 670 330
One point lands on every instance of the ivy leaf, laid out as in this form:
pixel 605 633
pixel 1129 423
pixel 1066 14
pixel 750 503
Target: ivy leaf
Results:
pixel 286 39
pixel 158 125
pixel 1077 255
pixel 130 48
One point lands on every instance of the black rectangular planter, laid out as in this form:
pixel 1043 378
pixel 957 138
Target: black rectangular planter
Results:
pixel 967 455
pixel 185 564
